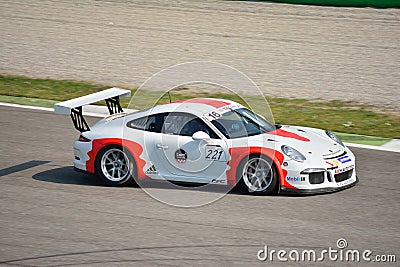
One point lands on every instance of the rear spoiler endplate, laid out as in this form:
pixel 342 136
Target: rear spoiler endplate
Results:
pixel 74 106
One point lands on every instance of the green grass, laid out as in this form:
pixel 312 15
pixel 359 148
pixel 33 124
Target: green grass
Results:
pixel 338 116
pixel 46 88
pixel 28 101
pixel 362 139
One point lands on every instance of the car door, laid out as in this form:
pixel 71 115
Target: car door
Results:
pixel 182 158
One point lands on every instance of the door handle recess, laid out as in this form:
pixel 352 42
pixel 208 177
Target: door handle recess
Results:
pixel 161 146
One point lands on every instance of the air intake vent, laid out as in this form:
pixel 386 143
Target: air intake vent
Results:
pixel 340 177
pixel 316 177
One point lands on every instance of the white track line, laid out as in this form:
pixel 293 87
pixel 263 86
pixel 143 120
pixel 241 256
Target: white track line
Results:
pixel 89 110
pixel 24 106
pixel 381 148
pixel 100 111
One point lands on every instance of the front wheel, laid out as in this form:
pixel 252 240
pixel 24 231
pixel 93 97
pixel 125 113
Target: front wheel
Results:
pixel 115 166
pixel 258 175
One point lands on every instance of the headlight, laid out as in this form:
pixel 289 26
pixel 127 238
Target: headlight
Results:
pixel 334 137
pixel 293 153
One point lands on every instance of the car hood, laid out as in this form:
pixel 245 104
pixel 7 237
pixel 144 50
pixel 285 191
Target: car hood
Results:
pixel 309 141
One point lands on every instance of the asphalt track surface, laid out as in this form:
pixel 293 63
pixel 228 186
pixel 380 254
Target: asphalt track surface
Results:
pixel 51 215
pixel 288 50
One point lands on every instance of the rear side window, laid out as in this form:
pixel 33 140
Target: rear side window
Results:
pixel 139 124
pixel 152 123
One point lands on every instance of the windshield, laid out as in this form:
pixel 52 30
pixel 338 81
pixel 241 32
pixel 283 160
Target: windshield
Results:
pixel 241 123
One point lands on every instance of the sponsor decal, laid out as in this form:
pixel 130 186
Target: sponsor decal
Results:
pixel 229 108
pixel 151 170
pixel 344 169
pixel 295 179
pixel 344 159
pixel 218 181
pixel 334 163
pixel 338 161
pixel 346 182
pixel 331 164
pixel 180 156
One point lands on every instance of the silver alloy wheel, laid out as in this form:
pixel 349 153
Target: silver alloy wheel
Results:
pixel 115 165
pixel 257 174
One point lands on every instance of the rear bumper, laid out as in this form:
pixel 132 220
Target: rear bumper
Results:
pixel 317 190
pixel 81 150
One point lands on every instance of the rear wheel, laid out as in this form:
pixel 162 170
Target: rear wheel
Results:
pixel 115 166
pixel 258 175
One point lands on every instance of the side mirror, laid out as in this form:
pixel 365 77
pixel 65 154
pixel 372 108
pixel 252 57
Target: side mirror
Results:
pixel 201 136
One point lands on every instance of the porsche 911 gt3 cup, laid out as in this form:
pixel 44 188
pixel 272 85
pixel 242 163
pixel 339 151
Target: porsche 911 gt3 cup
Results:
pixel 211 141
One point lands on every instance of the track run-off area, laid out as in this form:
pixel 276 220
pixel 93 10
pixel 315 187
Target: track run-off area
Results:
pixel 54 216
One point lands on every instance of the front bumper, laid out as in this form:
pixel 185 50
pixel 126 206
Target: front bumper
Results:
pixel 320 175
pixel 315 191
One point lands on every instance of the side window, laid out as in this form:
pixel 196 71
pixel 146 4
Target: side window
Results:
pixel 139 124
pixel 186 125
pixel 152 123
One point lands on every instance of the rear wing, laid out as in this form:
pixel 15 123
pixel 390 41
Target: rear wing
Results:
pixel 74 106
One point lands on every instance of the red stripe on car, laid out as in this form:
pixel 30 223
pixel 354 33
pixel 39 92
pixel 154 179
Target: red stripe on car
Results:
pixel 211 102
pixel 287 134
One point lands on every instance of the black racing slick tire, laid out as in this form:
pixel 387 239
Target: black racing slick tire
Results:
pixel 115 166
pixel 257 175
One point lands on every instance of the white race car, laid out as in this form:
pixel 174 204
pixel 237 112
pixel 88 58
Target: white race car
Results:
pixel 204 140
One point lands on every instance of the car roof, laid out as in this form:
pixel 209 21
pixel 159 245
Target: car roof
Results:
pixel 195 106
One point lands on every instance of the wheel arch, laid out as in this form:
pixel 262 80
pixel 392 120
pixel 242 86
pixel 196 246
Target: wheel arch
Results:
pixel 238 155
pixel 134 149
pixel 124 148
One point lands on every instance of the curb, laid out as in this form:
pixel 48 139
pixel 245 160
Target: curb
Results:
pixel 102 111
